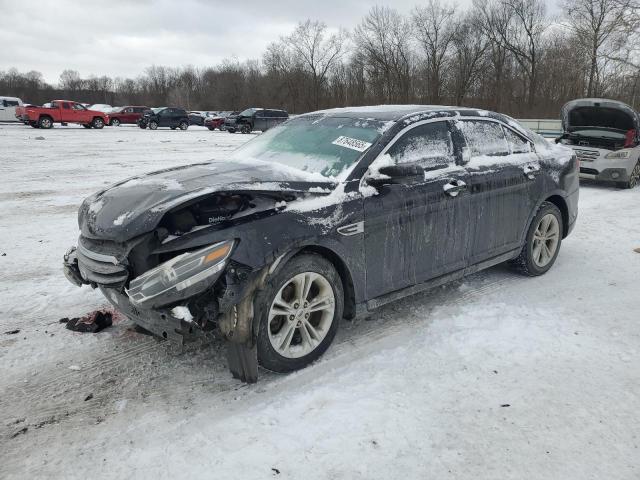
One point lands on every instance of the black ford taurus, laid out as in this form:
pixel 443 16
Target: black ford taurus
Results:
pixel 326 216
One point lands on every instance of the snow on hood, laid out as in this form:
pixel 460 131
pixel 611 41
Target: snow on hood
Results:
pixel 136 206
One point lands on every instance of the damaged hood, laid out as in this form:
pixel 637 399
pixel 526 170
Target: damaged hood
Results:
pixel 136 206
pixel 599 113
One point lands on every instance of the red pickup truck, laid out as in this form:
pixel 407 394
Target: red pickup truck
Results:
pixel 65 111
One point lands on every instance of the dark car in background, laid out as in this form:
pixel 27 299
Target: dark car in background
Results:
pixel 261 119
pixel 164 117
pixel 330 215
pixel 126 115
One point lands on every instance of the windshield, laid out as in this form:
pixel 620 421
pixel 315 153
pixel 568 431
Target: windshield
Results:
pixel 314 144
pixel 157 110
pixel 248 112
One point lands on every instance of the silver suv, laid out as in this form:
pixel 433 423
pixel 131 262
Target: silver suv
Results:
pixel 605 134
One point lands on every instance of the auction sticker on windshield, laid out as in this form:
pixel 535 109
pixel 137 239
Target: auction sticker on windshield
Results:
pixel 352 143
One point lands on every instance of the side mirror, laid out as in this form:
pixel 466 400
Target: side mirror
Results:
pixel 401 173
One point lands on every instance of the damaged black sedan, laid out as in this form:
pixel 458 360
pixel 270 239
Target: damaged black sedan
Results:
pixel 330 215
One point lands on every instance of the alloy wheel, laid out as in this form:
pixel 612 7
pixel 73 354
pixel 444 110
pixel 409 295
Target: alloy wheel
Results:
pixel 301 315
pixel 545 240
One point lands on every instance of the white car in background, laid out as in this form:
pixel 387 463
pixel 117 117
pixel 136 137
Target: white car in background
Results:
pixel 101 107
pixel 605 134
pixel 8 108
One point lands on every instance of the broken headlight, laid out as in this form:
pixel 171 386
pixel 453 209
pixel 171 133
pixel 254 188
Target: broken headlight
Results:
pixel 173 277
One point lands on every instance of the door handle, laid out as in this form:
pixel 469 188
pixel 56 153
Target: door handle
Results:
pixel 530 171
pixel 454 187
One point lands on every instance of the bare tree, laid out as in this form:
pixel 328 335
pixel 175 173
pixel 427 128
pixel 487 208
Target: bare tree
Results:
pixel 469 44
pixel 383 45
pixel 602 27
pixel 518 26
pixel 435 29
pixel 317 52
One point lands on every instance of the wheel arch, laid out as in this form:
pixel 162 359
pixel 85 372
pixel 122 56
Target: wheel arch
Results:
pixel 338 263
pixel 561 203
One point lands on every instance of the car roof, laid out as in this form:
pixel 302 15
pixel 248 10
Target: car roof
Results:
pixel 396 112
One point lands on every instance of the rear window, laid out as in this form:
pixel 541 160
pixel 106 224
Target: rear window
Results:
pixel 484 138
pixel 10 103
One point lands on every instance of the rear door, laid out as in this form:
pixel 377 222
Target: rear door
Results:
pixel 418 231
pixel 503 174
pixel 260 120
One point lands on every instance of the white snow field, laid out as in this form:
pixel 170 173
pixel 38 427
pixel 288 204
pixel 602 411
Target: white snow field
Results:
pixel 497 377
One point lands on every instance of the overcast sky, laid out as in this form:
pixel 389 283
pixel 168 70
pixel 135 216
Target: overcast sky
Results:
pixel 121 38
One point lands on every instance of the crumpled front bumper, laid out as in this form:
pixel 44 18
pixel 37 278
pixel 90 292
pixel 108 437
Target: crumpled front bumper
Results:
pixel 71 269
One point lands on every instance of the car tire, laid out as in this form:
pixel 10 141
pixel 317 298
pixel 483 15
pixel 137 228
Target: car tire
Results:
pixel 45 122
pixel 231 130
pixel 634 178
pixel 115 122
pixel 143 127
pixel 173 128
pixel 245 129
pixel 544 238
pixel 153 125
pixel 97 123
pixel 211 129
pixel 34 124
pixel 308 333
pixel 183 125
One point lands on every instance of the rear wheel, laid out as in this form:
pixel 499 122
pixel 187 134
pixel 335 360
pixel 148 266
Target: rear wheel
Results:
pixel 115 122
pixel 301 308
pixel 97 123
pixel 183 125
pixel 153 125
pixel 543 241
pixel 45 122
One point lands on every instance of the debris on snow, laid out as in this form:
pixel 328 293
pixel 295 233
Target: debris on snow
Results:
pixel 20 432
pixel 12 332
pixel 88 397
pixel 39 138
pixel 90 323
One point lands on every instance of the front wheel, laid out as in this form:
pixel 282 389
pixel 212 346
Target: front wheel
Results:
pixel 97 123
pixel 245 129
pixel 543 242
pixel 153 125
pixel 115 122
pixel 634 177
pixel 301 308
pixel 183 125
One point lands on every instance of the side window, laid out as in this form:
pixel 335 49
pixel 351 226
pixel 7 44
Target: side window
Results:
pixel 516 143
pixel 260 114
pixel 4 103
pixel 428 145
pixel 76 106
pixel 65 106
pixel 484 138
pixel 128 110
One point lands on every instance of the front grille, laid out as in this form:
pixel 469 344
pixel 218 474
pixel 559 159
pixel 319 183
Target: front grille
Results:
pixel 586 154
pixel 589 171
pixel 102 263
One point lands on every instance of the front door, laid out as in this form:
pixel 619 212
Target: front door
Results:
pixel 503 174
pixel 419 230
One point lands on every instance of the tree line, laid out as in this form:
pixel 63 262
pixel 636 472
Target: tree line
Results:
pixel 511 56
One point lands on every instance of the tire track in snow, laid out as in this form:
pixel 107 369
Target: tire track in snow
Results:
pixel 56 399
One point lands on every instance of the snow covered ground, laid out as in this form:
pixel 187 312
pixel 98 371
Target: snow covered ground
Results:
pixel 497 377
